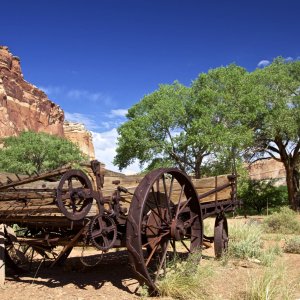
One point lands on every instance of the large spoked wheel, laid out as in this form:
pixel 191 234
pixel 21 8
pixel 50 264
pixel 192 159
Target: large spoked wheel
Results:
pixel 220 235
pixel 74 195
pixel 164 223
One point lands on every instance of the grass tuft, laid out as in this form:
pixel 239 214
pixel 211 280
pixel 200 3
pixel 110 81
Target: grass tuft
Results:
pixel 272 284
pixel 246 242
pixel 186 279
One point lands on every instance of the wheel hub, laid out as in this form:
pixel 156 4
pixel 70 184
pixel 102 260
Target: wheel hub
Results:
pixel 177 229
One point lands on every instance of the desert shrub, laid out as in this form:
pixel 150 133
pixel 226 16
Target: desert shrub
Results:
pixel 246 242
pixel 292 245
pixel 257 195
pixel 285 221
pixel 272 284
pixel 186 279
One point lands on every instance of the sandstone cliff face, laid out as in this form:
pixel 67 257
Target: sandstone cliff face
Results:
pixel 77 133
pixel 268 169
pixel 22 105
pixel 25 107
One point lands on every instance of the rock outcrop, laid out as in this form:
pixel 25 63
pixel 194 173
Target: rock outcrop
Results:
pixel 266 169
pixel 77 133
pixel 22 105
pixel 25 107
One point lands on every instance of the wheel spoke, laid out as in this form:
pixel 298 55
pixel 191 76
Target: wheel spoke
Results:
pixel 151 254
pixel 188 223
pixel 171 187
pixel 110 228
pixel 156 201
pixel 173 244
pixel 105 240
pixel 184 205
pixel 156 240
pixel 179 201
pixel 163 260
pixel 161 218
pixel 97 233
pixel 185 246
pixel 167 198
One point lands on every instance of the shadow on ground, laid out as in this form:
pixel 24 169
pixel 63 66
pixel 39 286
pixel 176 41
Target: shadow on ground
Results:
pixel 113 268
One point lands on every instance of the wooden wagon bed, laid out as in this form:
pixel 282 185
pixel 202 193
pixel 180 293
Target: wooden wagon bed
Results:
pixel 34 202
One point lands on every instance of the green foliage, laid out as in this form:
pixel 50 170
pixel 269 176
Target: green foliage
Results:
pixel 186 279
pixel 258 194
pixel 219 96
pixel 285 221
pixel 292 245
pixel 184 125
pixel 37 152
pixel 275 101
pixel 156 129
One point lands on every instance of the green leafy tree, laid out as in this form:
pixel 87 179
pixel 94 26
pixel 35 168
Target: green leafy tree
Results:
pixel 275 101
pixel 184 125
pixel 159 131
pixel 220 96
pixel 37 152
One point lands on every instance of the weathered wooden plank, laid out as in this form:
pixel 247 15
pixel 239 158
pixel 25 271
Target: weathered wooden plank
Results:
pixel 37 177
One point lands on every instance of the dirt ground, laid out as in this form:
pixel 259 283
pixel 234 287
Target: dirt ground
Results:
pixel 112 278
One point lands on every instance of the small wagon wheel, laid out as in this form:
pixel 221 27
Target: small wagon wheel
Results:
pixel 25 257
pixel 220 235
pixel 74 195
pixel 164 222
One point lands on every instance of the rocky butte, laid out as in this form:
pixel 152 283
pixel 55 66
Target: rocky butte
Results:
pixel 25 107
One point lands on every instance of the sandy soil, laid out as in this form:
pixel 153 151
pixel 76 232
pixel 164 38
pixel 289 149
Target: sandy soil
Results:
pixel 112 279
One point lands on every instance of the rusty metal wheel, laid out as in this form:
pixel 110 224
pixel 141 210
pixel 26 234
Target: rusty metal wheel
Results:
pixel 74 195
pixel 103 232
pixel 164 223
pixel 27 254
pixel 220 235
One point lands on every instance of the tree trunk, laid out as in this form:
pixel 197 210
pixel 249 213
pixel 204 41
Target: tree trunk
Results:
pixel 197 169
pixel 292 189
pixel 289 161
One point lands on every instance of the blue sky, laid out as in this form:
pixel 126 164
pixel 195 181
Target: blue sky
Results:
pixel 98 58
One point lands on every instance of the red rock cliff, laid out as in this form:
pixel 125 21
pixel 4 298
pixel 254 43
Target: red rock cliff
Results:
pixel 77 133
pixel 25 107
pixel 22 105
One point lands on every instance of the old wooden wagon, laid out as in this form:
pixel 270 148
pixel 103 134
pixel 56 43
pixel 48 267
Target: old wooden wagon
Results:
pixel 157 217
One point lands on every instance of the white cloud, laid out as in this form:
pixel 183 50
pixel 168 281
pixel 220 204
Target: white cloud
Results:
pixel 87 120
pixel 288 58
pixel 77 94
pixel 118 113
pixel 84 94
pixel 105 144
pixel 263 63
pixel 52 90
pixel 102 122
